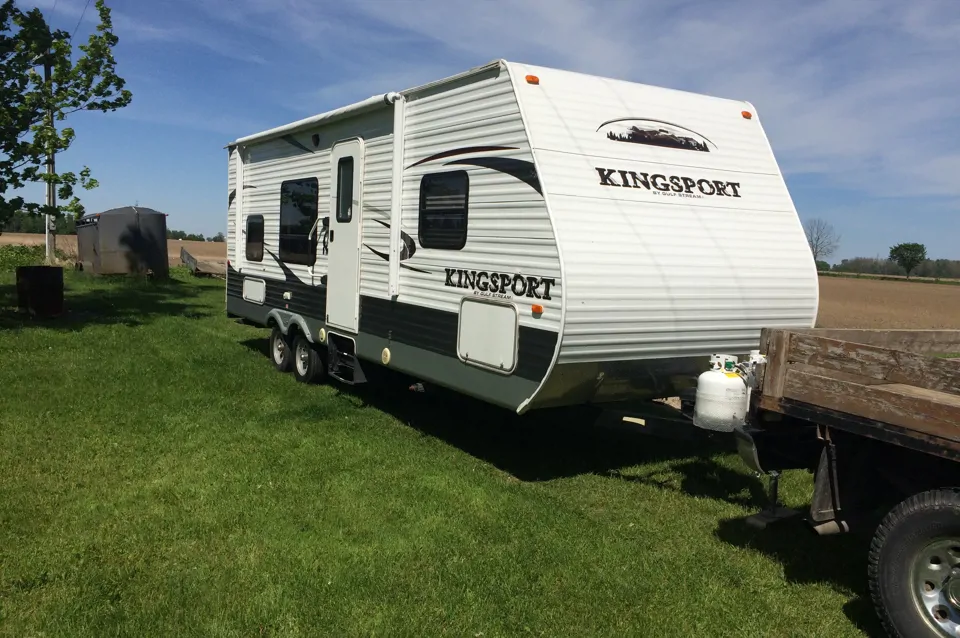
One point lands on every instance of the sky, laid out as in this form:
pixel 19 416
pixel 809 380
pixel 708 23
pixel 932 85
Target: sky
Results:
pixel 860 98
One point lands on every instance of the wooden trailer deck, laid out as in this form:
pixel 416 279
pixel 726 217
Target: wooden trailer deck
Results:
pixel 875 415
pixel 201 268
pixel 901 386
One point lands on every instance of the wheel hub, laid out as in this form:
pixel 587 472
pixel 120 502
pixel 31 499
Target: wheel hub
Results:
pixel 303 358
pixel 936 585
pixel 953 589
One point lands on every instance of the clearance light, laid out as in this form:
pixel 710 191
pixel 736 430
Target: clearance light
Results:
pixel 532 79
pixel 746 115
pixel 537 309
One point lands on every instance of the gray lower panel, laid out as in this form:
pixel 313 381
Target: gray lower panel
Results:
pixel 614 381
pixel 449 372
pixel 250 311
pixel 261 315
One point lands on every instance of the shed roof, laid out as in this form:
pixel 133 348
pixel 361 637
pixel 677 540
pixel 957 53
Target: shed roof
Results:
pixel 126 210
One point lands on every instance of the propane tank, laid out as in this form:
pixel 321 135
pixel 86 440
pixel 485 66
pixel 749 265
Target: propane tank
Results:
pixel 722 401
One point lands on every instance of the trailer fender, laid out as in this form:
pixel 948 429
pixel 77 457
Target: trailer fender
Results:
pixel 285 319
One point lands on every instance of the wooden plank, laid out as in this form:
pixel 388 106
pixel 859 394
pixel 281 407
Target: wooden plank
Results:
pixel 916 341
pixel 880 431
pixel 922 393
pixel 932 413
pixel 835 357
pixel 188 259
pixel 836 374
pixel 776 367
pixel 198 267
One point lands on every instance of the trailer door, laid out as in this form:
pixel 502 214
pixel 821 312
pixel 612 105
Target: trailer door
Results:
pixel 343 276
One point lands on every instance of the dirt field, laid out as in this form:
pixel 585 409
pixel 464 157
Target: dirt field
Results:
pixel 844 303
pixel 862 303
pixel 213 252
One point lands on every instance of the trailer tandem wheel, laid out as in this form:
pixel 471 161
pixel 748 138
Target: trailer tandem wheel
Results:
pixel 308 365
pixel 281 352
pixel 914 566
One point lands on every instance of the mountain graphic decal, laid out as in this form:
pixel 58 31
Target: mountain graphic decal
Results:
pixel 655 133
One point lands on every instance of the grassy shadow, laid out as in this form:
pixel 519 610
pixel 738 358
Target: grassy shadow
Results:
pixel 703 477
pixel 108 300
pixel 561 443
pixel 540 446
pixel 839 561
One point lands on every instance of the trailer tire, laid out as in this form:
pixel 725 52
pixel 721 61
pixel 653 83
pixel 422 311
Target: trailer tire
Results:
pixel 914 566
pixel 307 363
pixel 281 350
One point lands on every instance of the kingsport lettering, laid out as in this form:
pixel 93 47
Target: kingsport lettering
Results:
pixel 667 183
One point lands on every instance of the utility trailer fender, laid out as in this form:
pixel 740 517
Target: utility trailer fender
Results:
pixel 875 415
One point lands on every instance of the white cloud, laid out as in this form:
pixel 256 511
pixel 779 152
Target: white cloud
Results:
pixel 65 14
pixel 860 92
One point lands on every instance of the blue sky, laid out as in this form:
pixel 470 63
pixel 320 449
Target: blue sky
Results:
pixel 860 99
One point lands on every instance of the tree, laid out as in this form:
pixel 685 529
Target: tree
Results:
pixel 821 236
pixel 30 104
pixel 217 238
pixel 908 256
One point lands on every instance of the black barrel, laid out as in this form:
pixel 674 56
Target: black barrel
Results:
pixel 40 290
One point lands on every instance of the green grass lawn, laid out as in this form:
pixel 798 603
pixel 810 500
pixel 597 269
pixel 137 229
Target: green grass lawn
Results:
pixel 159 477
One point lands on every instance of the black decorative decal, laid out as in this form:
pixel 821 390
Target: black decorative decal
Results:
pixel 407 248
pixel 233 194
pixel 655 133
pixel 521 169
pixel 290 139
pixel 288 275
pixel 462 151
pixel 384 256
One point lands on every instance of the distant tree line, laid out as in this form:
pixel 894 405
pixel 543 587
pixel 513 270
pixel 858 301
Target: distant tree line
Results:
pixel 20 222
pixel 935 268
pixel 180 234
pixel 905 260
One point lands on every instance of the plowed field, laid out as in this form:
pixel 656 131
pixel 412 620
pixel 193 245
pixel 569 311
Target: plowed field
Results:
pixel 213 252
pixel 866 303
pixel 844 303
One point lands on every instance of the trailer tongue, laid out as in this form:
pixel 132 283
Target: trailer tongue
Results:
pixel 875 415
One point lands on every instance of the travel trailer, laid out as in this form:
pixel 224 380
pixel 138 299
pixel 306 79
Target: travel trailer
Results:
pixel 528 236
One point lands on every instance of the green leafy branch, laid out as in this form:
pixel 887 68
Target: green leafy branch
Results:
pixel 31 106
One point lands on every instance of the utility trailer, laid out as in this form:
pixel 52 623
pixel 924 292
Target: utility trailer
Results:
pixel 875 415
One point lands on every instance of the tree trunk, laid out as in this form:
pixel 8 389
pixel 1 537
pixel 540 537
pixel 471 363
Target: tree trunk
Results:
pixel 40 290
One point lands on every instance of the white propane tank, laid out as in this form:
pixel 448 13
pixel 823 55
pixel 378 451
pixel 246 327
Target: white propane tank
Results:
pixel 722 401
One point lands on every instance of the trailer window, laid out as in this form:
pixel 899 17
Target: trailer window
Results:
pixel 443 210
pixel 298 215
pixel 255 238
pixel 345 190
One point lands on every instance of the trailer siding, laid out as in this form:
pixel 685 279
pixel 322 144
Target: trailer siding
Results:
pixel 509 227
pixel 664 274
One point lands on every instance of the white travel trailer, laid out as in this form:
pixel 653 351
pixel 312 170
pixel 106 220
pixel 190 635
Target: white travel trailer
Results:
pixel 528 236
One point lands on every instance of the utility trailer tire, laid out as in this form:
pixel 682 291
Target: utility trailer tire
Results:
pixel 281 350
pixel 914 566
pixel 308 365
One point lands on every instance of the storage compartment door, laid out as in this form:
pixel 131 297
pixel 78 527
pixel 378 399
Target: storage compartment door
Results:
pixel 487 336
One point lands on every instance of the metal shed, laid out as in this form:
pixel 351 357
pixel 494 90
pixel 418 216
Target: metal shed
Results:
pixel 124 240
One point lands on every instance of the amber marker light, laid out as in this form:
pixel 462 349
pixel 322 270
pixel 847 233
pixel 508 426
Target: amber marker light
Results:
pixel 746 115
pixel 537 309
pixel 532 79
